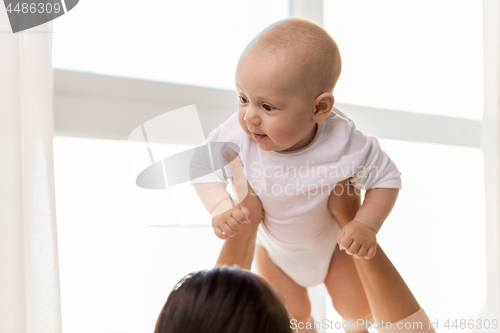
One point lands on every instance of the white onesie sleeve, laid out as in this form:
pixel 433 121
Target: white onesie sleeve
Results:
pixel 205 165
pixel 378 170
pixel 372 166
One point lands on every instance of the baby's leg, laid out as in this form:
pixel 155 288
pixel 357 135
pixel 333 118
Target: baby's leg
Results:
pixel 347 292
pixel 296 297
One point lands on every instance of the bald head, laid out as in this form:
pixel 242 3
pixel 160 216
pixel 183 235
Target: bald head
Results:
pixel 306 47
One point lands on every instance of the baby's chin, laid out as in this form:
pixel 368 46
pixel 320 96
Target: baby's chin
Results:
pixel 262 145
pixel 266 147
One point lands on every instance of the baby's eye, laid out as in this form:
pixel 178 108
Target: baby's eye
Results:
pixel 243 100
pixel 267 107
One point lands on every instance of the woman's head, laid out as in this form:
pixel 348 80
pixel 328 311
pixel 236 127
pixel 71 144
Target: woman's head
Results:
pixel 223 300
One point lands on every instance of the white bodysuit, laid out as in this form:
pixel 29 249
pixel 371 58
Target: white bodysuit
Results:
pixel 298 231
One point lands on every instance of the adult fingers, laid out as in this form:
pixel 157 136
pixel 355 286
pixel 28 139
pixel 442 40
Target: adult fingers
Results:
pixel 246 212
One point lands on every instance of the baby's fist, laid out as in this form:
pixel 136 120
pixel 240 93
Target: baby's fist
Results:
pixel 227 224
pixel 358 240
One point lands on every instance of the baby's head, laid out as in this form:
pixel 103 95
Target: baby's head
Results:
pixel 285 79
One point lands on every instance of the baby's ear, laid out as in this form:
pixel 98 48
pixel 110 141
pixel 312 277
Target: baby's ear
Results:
pixel 323 105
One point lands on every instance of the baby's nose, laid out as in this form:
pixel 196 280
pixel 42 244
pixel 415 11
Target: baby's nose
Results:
pixel 251 117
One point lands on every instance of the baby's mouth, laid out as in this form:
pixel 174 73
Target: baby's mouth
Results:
pixel 259 136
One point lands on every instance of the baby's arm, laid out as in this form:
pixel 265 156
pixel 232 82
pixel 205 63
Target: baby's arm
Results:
pixel 237 250
pixel 377 205
pixel 208 170
pixel 227 214
pixel 378 175
pixel 358 237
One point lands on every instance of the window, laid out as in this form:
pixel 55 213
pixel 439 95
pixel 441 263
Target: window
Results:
pixel 118 257
pixel 435 235
pixel 420 56
pixel 195 42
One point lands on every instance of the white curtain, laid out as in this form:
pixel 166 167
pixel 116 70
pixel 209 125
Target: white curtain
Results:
pixel 491 148
pixel 29 274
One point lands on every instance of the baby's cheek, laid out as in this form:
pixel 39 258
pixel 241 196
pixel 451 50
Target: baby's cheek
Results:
pixel 291 133
pixel 242 125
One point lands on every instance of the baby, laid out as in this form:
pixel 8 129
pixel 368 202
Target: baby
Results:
pixel 295 147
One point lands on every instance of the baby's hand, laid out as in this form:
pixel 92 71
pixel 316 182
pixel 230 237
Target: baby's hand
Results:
pixel 227 224
pixel 358 240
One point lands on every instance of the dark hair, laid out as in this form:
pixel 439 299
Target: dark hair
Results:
pixel 222 300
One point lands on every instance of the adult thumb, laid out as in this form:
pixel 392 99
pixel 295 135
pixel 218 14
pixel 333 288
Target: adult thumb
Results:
pixel 240 183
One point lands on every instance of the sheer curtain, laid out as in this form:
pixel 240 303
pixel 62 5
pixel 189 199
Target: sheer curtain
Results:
pixel 29 276
pixel 491 148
